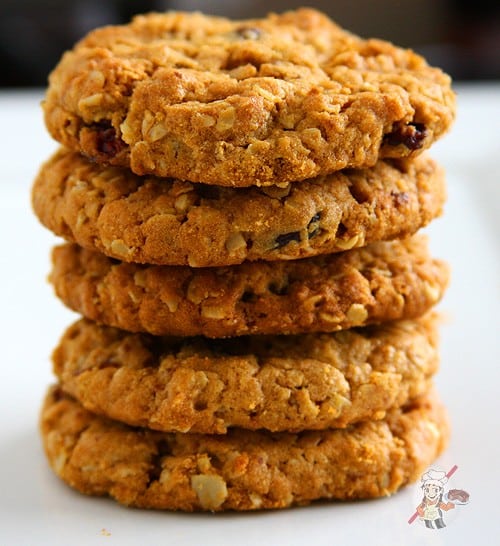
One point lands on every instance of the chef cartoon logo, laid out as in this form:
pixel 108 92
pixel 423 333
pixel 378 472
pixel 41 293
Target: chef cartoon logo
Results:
pixel 437 501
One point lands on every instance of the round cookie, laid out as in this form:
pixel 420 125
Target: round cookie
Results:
pixel 243 470
pixel 380 282
pixel 169 222
pixel 278 383
pixel 240 103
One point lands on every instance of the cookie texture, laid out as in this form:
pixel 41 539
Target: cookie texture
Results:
pixel 240 103
pixel 380 282
pixel 169 222
pixel 279 383
pixel 243 470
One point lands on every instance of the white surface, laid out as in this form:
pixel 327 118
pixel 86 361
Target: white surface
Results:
pixel 37 509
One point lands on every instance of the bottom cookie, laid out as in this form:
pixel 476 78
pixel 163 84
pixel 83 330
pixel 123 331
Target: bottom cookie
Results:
pixel 242 470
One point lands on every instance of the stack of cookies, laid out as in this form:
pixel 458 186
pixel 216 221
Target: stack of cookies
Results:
pixel 241 201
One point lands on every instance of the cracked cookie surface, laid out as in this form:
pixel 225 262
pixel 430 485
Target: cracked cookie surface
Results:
pixel 382 281
pixel 240 103
pixel 242 470
pixel 160 221
pixel 278 383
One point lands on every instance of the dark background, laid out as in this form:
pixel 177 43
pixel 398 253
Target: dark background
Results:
pixel 462 37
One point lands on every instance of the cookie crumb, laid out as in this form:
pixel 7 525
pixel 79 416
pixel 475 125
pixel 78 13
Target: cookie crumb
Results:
pixel 105 532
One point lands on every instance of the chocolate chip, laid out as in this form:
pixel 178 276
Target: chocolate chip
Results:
pixel 411 136
pixel 285 238
pixel 107 141
pixel 249 33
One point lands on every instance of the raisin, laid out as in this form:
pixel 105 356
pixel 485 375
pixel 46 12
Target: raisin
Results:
pixel 312 230
pixel 411 136
pixel 283 240
pixel 106 140
pixel 313 225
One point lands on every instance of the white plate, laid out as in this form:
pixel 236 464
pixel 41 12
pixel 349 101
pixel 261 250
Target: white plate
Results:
pixel 37 509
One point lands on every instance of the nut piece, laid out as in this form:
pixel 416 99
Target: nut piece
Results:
pixel 347 244
pixel 140 278
pixel 91 100
pixel 210 489
pixel 171 301
pixel 183 202
pixel 119 248
pixel 434 430
pixel 203 462
pixel 276 192
pixel 81 219
pixel 242 72
pixel 255 499
pixel 97 78
pixel 357 313
pixel 226 119
pixel 212 312
pixel 206 120
pixel 196 292
pixel 432 291
pixel 264 93
pixel 329 317
pixel 157 132
pixel 234 242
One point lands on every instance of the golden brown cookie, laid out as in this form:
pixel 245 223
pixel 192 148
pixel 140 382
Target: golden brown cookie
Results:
pixel 149 220
pixel 240 103
pixel 383 281
pixel 243 470
pixel 279 383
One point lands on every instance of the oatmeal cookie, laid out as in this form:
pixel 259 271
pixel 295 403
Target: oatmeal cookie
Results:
pixel 240 103
pixel 278 383
pixel 242 470
pixel 169 222
pixel 379 282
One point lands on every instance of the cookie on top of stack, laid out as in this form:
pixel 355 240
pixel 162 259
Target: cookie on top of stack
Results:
pixel 240 202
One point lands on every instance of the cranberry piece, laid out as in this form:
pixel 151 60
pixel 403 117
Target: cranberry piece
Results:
pixel 107 141
pixel 400 198
pixel 411 136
